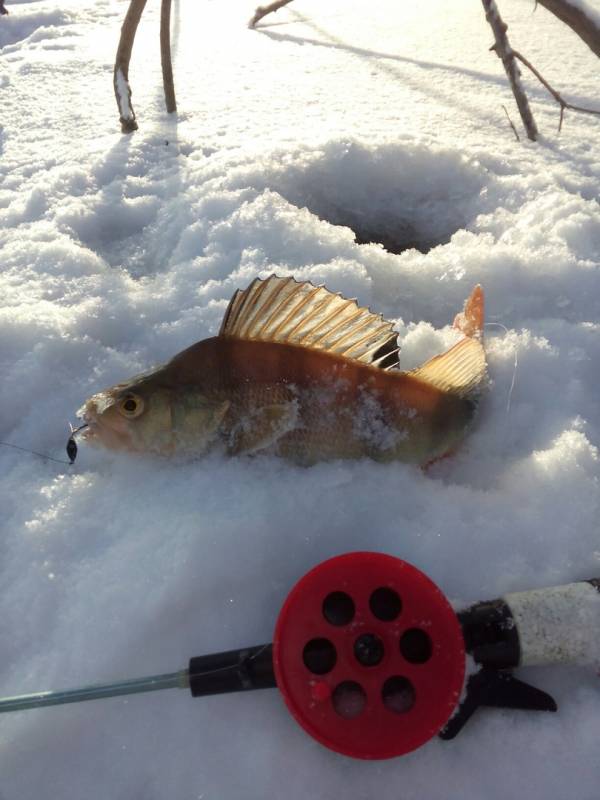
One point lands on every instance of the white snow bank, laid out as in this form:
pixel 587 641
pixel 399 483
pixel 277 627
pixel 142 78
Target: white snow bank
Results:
pixel 22 27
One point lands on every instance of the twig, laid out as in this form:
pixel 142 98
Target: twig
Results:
pixel 512 125
pixel 559 99
pixel 121 71
pixel 503 50
pixel 262 11
pixel 165 55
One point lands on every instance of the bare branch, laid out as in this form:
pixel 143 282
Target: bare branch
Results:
pixel 165 56
pixel 585 25
pixel 559 99
pixel 503 50
pixel 262 11
pixel 121 71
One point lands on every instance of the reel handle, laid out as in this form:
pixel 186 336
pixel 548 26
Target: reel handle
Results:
pixel 554 625
pixel 560 624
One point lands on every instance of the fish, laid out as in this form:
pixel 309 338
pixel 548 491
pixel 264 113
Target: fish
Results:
pixel 300 372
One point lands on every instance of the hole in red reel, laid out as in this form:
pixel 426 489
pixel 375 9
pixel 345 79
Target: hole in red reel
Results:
pixel 338 608
pixel 349 699
pixel 385 604
pixel 319 656
pixel 398 694
pixel 416 646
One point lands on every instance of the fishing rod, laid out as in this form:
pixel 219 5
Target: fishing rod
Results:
pixel 372 660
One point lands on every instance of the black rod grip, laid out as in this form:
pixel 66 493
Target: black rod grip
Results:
pixel 232 671
pixel 490 634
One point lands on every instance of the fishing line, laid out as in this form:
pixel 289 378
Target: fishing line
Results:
pixel 516 363
pixel 35 453
pixel 71 448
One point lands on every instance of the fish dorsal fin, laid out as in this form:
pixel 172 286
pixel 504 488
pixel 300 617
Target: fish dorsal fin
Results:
pixel 460 370
pixel 287 311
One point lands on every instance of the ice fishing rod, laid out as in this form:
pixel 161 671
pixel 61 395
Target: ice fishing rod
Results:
pixel 373 662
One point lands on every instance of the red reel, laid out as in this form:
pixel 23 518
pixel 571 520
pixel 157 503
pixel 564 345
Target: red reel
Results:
pixel 369 655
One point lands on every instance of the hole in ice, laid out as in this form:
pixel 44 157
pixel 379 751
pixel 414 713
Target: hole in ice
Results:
pixel 400 196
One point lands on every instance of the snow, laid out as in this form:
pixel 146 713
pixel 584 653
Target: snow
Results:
pixel 123 92
pixel 119 251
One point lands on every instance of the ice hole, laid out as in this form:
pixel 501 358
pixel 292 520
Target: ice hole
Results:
pixel 400 196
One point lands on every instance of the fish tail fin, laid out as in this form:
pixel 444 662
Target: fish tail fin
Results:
pixel 471 319
pixel 462 369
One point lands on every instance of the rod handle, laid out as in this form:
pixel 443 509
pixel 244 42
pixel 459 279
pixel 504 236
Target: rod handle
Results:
pixel 232 671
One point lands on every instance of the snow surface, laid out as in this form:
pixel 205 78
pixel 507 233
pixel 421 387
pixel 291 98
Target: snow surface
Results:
pixel 118 251
pixel 123 90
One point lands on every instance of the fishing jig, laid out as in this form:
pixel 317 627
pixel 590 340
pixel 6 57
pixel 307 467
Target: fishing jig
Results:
pixel 373 662
pixel 72 444
pixel 71 448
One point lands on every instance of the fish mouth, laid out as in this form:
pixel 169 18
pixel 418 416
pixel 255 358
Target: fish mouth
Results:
pixel 89 433
pixel 97 430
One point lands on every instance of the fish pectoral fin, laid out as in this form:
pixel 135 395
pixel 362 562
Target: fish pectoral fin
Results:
pixel 261 428
pixel 197 421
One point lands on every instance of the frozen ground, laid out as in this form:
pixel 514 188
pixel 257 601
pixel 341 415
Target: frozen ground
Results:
pixel 117 252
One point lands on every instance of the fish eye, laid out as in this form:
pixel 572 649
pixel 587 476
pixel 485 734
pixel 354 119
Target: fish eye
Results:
pixel 131 406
